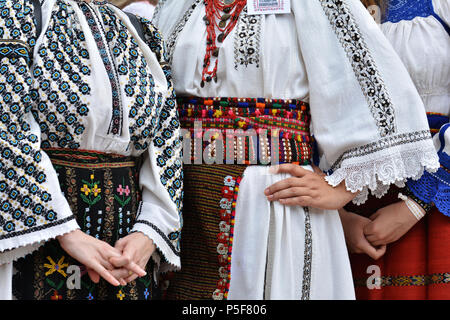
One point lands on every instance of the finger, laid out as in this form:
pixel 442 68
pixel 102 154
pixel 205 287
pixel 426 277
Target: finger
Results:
pixel 290 193
pixel 106 264
pixel 121 273
pixel 105 274
pixel 370 229
pixel 303 201
pixel 373 238
pixel 131 278
pixel 379 252
pixel 135 268
pixel 368 249
pixel 93 275
pixel 120 244
pixel 380 242
pixel 290 168
pixel 284 184
pixel 122 261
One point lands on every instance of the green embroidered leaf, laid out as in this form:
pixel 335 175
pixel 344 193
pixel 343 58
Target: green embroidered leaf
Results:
pixel 51 283
pixel 97 199
pixel 85 199
pixel 118 199
pixel 60 285
pixel 126 201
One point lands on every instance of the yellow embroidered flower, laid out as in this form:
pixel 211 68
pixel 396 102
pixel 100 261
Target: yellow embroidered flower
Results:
pixel 56 267
pixel 96 190
pixel 92 177
pixel 120 295
pixel 85 189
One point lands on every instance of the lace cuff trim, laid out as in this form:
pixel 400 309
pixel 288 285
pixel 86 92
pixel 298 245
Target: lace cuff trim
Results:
pixel 376 168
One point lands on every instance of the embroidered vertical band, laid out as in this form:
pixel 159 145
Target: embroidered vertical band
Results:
pixel 208 228
pixel 246 130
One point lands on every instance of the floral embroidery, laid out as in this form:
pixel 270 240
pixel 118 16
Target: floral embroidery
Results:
pixel 363 64
pixel 225 236
pixel 56 296
pixel 247 40
pixel 120 295
pixel 124 192
pixel 56 267
pixel 91 189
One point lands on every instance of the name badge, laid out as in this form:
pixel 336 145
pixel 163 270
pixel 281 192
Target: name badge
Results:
pixel 268 6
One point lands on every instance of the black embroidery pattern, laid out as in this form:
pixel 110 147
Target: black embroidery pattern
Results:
pixel 173 38
pixel 247 40
pixel 364 67
pixel 61 80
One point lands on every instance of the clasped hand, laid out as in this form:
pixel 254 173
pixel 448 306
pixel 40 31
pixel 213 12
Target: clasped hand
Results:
pixel 118 265
pixel 372 235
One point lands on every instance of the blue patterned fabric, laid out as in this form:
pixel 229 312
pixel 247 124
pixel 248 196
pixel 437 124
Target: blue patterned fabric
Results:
pixel 408 9
pixel 435 187
pixel 399 10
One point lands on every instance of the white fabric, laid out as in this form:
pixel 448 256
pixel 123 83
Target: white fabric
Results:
pixel 6 281
pixel 424 47
pixel 331 277
pixel 141 8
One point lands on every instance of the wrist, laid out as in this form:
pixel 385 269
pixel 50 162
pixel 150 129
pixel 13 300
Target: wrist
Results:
pixel 68 238
pixel 415 209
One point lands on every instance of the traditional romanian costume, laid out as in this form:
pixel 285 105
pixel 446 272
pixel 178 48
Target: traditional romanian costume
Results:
pixel 259 89
pixel 417 266
pixel 89 138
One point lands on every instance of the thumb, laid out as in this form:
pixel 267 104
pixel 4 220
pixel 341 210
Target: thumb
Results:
pixel 371 251
pixel 126 257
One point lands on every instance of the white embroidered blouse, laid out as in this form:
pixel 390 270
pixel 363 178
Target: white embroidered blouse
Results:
pixel 419 31
pixel 89 80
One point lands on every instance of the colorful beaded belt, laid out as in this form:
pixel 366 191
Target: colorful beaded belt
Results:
pixel 245 130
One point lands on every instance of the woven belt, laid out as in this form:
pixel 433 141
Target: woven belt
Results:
pixel 246 130
pixel 89 159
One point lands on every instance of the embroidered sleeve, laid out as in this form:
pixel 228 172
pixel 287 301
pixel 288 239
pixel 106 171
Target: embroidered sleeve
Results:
pixel 32 206
pixel 161 175
pixel 434 188
pixel 367 117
